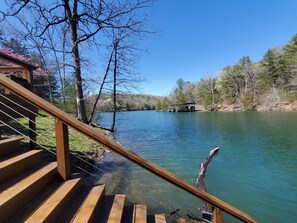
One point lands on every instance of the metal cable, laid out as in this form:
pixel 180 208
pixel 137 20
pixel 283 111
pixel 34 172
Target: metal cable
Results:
pixel 29 138
pixel 78 157
pixel 20 105
pixel 90 164
pixel 142 186
pixel 26 127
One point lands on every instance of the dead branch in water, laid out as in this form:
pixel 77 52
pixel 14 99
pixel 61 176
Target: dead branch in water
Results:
pixel 200 178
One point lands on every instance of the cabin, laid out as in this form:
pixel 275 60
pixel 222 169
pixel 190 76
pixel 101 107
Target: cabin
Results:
pixel 33 189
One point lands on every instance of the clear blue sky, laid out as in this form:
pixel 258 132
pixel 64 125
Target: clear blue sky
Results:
pixel 198 37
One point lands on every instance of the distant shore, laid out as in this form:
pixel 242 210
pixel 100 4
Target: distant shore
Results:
pixel 281 106
pixel 275 107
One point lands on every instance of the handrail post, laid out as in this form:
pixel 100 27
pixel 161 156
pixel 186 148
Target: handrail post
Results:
pixel 217 216
pixel 62 149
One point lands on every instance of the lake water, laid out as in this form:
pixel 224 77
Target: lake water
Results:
pixel 255 170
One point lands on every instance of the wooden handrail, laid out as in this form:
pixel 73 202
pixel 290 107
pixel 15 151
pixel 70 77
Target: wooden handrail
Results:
pixel 121 150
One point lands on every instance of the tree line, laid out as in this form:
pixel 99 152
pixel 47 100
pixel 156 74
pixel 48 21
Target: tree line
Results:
pixel 125 102
pixel 246 84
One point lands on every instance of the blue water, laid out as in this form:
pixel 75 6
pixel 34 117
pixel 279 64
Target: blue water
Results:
pixel 255 170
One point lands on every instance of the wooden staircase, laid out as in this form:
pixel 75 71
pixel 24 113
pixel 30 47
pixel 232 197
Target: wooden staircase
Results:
pixel 32 190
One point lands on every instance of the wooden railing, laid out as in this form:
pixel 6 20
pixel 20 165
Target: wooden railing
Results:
pixel 63 120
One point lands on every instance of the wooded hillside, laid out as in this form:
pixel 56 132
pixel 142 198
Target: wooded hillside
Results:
pixel 125 102
pixel 270 84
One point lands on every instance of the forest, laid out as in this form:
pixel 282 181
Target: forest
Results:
pixel 270 84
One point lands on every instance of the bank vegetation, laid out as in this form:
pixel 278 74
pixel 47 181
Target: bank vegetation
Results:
pixel 270 84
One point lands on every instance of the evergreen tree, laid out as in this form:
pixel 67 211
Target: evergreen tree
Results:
pixel 270 62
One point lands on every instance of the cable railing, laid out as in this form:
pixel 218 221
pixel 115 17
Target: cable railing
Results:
pixel 165 208
pixel 50 142
pixel 171 211
pixel 63 121
pixel 171 208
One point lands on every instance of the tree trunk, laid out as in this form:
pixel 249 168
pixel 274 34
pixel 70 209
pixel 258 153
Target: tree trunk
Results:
pixel 73 20
pixel 114 88
pixel 101 87
pixel 80 103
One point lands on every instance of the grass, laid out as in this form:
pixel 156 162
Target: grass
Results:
pixel 79 144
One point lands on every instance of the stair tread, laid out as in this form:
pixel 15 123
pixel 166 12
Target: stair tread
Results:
pixel 20 177
pixel 139 213
pixel 19 194
pixel 7 161
pixel 30 207
pixel 70 211
pixel 55 202
pixel 10 139
pixel 160 218
pixel 86 212
pixel 15 164
pixel 23 184
pixel 116 211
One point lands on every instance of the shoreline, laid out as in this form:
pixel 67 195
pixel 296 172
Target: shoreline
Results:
pixel 285 107
pixel 277 107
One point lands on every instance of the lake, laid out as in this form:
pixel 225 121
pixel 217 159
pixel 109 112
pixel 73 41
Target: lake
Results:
pixel 255 170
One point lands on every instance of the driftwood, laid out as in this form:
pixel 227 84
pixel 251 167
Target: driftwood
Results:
pixel 200 178
pixel 200 184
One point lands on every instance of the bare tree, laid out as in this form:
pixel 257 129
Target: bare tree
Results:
pixel 85 21
pixel 115 68
pixel 101 86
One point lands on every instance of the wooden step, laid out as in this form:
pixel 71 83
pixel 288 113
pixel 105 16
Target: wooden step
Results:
pixel 160 218
pixel 9 145
pixel 33 205
pixel 50 210
pixel 116 212
pixel 20 177
pixel 71 210
pixel 19 163
pixel 89 208
pixel 16 196
pixel 139 213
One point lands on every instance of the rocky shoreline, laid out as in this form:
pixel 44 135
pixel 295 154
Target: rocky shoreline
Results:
pixel 276 107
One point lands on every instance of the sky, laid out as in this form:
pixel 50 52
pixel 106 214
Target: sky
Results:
pixel 197 38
